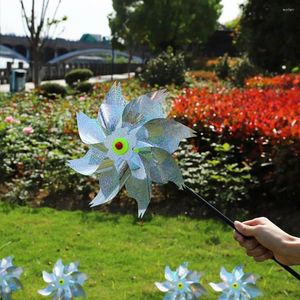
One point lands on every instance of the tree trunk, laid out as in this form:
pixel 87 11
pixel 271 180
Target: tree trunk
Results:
pixel 129 64
pixel 36 67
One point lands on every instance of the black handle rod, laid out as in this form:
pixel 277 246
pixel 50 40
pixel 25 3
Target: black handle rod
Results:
pixel 231 224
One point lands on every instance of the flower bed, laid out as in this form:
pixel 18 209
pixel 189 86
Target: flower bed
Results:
pixel 38 136
pixel 267 113
pixel 244 134
pixel 264 127
pixel 285 81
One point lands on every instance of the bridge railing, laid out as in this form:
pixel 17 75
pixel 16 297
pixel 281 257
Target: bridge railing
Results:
pixel 53 72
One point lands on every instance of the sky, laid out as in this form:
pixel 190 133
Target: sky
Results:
pixel 84 16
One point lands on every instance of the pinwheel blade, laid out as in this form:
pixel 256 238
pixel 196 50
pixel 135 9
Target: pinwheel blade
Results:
pixel 164 133
pixel 143 109
pixel 111 109
pixel 140 190
pixel 89 163
pixel 161 165
pixel 89 130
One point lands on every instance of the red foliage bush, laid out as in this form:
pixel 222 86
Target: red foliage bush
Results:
pixel 269 113
pixel 285 81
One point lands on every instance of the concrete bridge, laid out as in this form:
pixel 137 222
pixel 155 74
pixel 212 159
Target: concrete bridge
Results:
pixel 53 47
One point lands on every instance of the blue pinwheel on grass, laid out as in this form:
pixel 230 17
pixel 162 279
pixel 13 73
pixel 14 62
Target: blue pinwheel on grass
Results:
pixel 131 144
pixel 9 278
pixel 65 283
pixel 236 285
pixel 181 284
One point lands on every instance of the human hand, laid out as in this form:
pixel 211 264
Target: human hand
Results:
pixel 266 241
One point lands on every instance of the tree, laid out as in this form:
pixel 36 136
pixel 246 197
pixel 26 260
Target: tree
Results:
pixel 163 23
pixel 270 33
pixel 39 29
pixel 123 27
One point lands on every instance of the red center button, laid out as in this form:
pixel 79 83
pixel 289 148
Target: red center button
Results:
pixel 119 145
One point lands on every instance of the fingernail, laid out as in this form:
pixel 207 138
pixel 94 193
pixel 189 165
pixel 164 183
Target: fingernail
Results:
pixel 236 223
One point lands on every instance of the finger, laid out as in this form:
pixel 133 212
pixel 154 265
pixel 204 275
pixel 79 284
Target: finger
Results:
pixel 238 237
pixel 264 257
pixel 250 244
pixel 244 229
pixel 258 251
pixel 256 221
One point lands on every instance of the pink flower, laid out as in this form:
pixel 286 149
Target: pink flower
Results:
pixel 28 130
pixel 82 98
pixel 9 119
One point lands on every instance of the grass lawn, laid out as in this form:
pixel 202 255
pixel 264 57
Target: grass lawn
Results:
pixel 123 257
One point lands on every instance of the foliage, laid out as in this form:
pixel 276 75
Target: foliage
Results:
pixel 32 162
pixel 233 24
pixel 52 89
pixel 75 76
pixel 217 175
pixel 202 75
pixel 242 70
pixel 166 68
pixel 84 87
pixel 264 113
pixel 124 27
pixel 264 127
pixel 38 135
pixel 268 50
pixel 285 81
pixel 185 22
pixel 222 68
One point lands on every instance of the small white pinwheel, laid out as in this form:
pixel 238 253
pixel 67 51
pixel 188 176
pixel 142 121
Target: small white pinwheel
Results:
pixel 236 285
pixel 65 283
pixel 181 284
pixel 9 278
pixel 130 143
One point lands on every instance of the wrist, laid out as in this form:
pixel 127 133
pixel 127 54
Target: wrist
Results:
pixel 292 246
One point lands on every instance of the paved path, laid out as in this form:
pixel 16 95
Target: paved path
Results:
pixel 4 88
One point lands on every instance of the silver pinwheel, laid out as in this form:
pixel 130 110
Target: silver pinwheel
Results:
pixel 181 284
pixel 9 278
pixel 236 285
pixel 65 283
pixel 130 143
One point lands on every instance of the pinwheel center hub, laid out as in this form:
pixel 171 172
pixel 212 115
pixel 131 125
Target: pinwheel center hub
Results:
pixel 180 285
pixel 120 146
pixel 61 281
pixel 235 285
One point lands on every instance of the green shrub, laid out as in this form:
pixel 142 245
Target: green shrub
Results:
pixel 166 68
pixel 32 165
pixel 242 70
pixel 222 67
pixel 84 87
pixel 217 175
pixel 78 75
pixel 52 89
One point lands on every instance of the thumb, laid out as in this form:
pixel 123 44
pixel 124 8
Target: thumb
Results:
pixel 244 229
